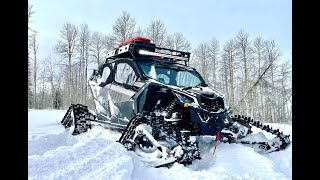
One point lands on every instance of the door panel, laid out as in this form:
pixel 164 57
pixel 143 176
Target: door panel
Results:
pixel 121 90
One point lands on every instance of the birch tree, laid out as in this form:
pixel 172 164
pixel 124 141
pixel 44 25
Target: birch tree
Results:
pixel 123 28
pixel 272 55
pixel 243 46
pixel 33 46
pixel 178 42
pixel 109 44
pixel 49 76
pixel 140 32
pixel 65 48
pixel 97 47
pixel 83 51
pixel 30 13
pixel 229 55
pixel 202 60
pixel 244 50
pixel 156 31
pixel 286 90
pixel 30 95
pixel 258 52
pixel 214 50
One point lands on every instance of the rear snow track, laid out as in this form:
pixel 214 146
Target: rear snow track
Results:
pixel 53 153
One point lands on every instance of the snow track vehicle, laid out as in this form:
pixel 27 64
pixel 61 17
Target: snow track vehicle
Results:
pixel 162 106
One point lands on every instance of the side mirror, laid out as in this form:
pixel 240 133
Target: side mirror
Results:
pixel 93 75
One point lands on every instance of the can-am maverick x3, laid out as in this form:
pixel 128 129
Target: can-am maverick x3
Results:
pixel 161 105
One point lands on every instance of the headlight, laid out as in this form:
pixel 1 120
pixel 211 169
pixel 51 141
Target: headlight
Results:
pixel 184 99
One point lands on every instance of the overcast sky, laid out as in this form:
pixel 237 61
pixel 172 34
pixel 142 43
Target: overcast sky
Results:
pixel 197 20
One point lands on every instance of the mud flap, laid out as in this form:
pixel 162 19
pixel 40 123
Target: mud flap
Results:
pixel 78 118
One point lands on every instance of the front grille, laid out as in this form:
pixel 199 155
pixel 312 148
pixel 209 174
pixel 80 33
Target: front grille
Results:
pixel 211 103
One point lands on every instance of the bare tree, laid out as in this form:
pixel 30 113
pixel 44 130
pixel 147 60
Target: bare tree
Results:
pixel 140 32
pixel 83 51
pixel 97 48
pixel 31 96
pixel 123 28
pixel 45 93
pixel 49 85
pixel 213 54
pixel 30 13
pixel 229 54
pixel 273 55
pixel 243 44
pixel 258 52
pixel 49 75
pixel 285 91
pixel 33 46
pixel 244 52
pixel 156 31
pixel 64 82
pixel 65 48
pixel 109 44
pixel 202 60
pixel 178 42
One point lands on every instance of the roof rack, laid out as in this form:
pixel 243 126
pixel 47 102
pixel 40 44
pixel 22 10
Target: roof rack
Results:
pixel 141 47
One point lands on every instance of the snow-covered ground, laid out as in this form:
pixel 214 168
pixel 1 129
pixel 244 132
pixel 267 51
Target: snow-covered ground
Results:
pixel 53 153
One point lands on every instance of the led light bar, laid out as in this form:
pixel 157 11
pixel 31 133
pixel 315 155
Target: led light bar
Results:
pixel 138 46
pixel 144 52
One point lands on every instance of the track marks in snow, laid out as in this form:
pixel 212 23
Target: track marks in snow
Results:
pixel 40 144
pixel 283 164
pixel 240 160
pixel 97 158
pixel 56 154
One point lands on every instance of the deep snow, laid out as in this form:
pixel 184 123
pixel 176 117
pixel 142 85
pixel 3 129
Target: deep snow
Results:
pixel 53 153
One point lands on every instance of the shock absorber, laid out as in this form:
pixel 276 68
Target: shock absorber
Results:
pixel 169 109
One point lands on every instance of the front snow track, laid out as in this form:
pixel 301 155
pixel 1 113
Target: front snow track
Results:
pixel 148 136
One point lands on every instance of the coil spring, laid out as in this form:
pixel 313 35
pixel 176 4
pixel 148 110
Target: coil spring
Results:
pixel 169 109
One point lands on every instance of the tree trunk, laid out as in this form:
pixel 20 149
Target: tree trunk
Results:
pixel 35 81
pixel 70 81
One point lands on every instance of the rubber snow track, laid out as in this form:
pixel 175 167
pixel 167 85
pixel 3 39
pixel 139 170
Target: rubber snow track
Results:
pixel 53 153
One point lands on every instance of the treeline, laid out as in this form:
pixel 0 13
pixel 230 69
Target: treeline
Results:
pixel 249 71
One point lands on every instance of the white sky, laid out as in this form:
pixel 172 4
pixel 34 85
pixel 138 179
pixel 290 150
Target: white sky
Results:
pixel 197 20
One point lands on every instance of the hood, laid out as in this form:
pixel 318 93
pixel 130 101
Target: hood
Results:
pixel 202 91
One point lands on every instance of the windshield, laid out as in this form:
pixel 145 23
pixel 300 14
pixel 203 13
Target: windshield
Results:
pixel 172 75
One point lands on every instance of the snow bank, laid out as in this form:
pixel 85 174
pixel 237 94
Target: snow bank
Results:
pixel 53 153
